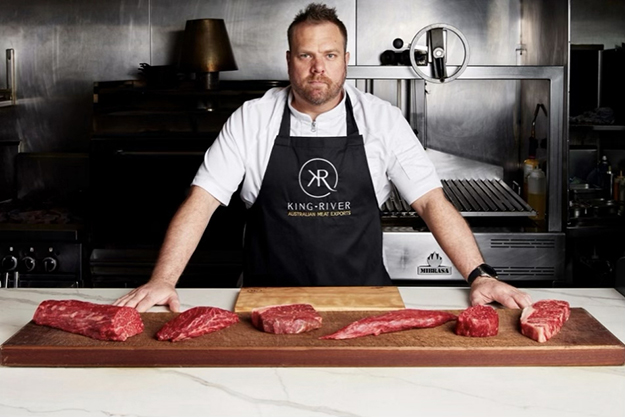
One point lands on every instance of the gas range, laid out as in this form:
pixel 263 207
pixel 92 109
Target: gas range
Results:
pixel 41 245
pixel 40 257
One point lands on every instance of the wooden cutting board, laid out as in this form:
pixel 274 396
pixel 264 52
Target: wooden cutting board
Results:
pixel 582 342
pixel 322 298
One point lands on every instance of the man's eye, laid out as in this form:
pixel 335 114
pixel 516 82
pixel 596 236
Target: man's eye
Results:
pixel 332 56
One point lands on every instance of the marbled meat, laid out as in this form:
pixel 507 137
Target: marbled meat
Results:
pixel 286 318
pixel 98 321
pixel 394 321
pixel 195 322
pixel 478 321
pixel 544 319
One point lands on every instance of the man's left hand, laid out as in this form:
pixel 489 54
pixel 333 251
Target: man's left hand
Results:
pixel 486 290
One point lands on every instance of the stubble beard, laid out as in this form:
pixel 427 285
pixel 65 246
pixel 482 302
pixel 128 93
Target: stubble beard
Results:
pixel 317 96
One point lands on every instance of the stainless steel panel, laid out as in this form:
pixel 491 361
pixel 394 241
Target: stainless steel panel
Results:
pixel 544 32
pixel 491 27
pixel 484 130
pixel 257 31
pixel 516 256
pixel 61 48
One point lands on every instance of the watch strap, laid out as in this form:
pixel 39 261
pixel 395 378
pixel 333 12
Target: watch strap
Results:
pixel 482 270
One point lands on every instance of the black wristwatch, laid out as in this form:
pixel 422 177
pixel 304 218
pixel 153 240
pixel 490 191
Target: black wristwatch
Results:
pixel 483 270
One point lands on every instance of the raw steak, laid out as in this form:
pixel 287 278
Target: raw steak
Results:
pixel 544 319
pixel 394 321
pixel 478 321
pixel 286 318
pixel 195 322
pixel 99 321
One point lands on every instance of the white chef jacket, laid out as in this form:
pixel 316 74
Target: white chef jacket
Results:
pixel 241 151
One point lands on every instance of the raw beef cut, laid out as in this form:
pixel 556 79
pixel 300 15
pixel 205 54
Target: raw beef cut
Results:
pixel 478 321
pixel 544 319
pixel 286 318
pixel 394 321
pixel 195 322
pixel 99 321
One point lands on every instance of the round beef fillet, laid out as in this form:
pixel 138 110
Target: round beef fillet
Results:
pixel 478 321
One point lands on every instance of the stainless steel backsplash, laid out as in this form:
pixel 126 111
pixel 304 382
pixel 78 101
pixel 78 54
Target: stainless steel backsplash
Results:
pixel 63 46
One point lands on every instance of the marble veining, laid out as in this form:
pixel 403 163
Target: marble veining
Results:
pixel 292 392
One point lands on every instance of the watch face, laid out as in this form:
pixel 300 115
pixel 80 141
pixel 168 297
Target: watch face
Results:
pixel 488 270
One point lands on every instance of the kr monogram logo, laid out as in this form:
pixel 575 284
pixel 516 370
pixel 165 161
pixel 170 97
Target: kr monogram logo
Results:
pixel 318 178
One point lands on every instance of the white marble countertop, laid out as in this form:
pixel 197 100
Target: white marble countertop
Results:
pixel 461 391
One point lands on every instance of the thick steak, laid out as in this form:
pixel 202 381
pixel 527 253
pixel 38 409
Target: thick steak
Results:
pixel 478 321
pixel 99 321
pixel 286 318
pixel 544 319
pixel 394 321
pixel 195 322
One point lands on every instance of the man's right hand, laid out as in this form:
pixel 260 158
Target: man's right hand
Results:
pixel 153 293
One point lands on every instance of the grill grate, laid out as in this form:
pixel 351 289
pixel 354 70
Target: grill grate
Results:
pixel 472 198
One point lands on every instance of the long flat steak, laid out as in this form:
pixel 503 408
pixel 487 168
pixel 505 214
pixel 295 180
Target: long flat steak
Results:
pixel 544 319
pixel 195 322
pixel 98 321
pixel 394 321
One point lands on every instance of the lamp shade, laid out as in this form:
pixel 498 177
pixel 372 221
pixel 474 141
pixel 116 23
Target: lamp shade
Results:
pixel 206 47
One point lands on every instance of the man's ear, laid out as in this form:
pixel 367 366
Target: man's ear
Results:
pixel 346 58
pixel 288 57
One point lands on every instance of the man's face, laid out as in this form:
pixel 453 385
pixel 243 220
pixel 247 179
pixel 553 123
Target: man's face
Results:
pixel 317 63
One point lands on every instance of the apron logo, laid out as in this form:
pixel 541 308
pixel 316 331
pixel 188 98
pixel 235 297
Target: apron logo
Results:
pixel 318 178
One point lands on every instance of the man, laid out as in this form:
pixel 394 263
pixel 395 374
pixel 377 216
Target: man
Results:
pixel 315 160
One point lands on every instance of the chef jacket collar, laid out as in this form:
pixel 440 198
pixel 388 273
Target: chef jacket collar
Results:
pixel 336 112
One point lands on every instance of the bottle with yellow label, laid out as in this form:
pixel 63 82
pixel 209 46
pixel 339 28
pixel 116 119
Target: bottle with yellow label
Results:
pixel 537 193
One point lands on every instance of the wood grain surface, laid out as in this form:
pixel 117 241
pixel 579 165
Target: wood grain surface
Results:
pixel 582 342
pixel 322 298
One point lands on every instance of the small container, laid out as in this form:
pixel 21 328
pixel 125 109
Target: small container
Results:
pixel 617 187
pixel 537 193
pixel 608 183
pixel 528 165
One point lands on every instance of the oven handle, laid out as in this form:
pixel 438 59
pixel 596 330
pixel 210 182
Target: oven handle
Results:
pixel 121 152
pixel 4 282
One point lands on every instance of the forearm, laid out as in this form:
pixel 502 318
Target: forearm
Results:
pixel 451 231
pixel 183 235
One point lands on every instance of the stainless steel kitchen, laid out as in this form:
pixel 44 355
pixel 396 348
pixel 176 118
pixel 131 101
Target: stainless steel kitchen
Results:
pixel 112 118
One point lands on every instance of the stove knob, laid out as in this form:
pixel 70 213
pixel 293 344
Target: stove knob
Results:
pixel 49 264
pixel 9 263
pixel 29 263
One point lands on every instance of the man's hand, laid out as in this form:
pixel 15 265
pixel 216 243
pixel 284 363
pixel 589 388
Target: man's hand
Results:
pixel 485 290
pixel 151 294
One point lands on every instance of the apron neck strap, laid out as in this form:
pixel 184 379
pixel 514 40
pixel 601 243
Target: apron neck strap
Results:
pixel 352 128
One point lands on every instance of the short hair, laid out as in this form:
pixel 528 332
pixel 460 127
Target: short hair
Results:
pixel 317 13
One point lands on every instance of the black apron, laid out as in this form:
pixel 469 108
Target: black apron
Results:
pixel 316 220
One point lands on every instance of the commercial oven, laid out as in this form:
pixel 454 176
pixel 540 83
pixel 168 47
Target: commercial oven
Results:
pixel 147 143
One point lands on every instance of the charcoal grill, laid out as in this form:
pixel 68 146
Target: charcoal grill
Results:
pixel 516 245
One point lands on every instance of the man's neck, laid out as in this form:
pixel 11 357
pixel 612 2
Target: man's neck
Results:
pixel 313 110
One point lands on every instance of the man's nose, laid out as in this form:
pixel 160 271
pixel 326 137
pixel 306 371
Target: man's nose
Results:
pixel 318 66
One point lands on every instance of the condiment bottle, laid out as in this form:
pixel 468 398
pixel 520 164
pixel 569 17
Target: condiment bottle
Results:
pixel 528 165
pixel 616 187
pixel 608 183
pixel 537 193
